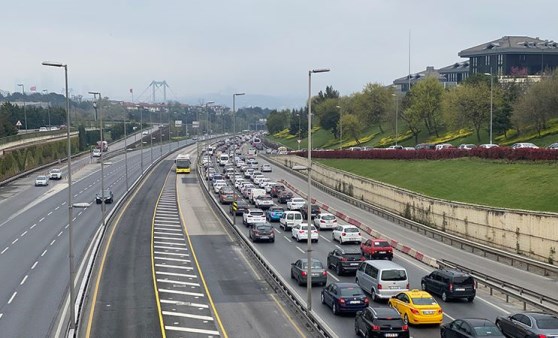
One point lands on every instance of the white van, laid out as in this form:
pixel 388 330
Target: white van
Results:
pixel 382 279
pixel 290 219
pixel 254 193
pixel 223 160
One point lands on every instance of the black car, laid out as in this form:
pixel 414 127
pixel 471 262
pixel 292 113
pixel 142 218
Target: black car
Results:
pixel 450 284
pixel 314 209
pixel 470 328
pixel 344 297
pixel 529 324
pixel 107 196
pixel 242 206
pixel 261 232
pixel 299 272
pixel 380 322
pixel 284 197
pixel 344 260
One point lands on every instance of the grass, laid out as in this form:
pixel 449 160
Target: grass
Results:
pixel 525 186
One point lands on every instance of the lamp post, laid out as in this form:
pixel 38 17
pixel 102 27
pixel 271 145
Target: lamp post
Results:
pixel 309 200
pixel 141 138
pixel 70 205
pixel 234 111
pixel 126 151
pixel 340 127
pixel 161 132
pixel 491 100
pixel 150 138
pixel 396 116
pixel 48 111
pixel 24 109
pixel 299 140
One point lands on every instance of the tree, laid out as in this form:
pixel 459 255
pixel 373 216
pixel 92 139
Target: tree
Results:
pixel 330 93
pixel 328 114
pixel 426 101
pixel 277 121
pixel 374 103
pixel 299 122
pixel 351 126
pixel 412 118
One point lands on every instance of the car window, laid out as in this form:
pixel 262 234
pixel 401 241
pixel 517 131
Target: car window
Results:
pixel 381 244
pixel 264 227
pixel 424 301
pixel 394 275
pixel 351 230
pixel 368 315
pixel 328 217
pixel 463 280
pixel 487 331
pixel 351 292
pixel 547 323
pixel 256 213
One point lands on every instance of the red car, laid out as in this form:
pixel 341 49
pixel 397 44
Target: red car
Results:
pixel 377 248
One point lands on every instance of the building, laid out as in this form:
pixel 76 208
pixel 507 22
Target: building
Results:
pixel 448 76
pixel 512 56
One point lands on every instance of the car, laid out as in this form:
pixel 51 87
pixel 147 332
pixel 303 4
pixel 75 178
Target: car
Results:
pixel 300 232
pixel 263 202
pixel 443 146
pixel 553 146
pixel 377 248
pixel 284 196
pixel 382 279
pixel 299 271
pixel 467 146
pixel 274 213
pixel 227 195
pixel 314 209
pixel 276 189
pixel 417 307
pixel 470 328
pixel 346 233
pixel 55 174
pixel 344 260
pixel 489 145
pixel 266 168
pixel 450 284
pixel 43 129
pixel 96 152
pixel 296 203
pixel 425 146
pixel 325 220
pixel 528 324
pixel 395 147
pixel 524 145
pixel 242 206
pixel 105 195
pixel 290 219
pixel 218 185
pixel 261 232
pixel 344 297
pixel 252 216
pixel 41 181
pixel 145 132
pixel 380 322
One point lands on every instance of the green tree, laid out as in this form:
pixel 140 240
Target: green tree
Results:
pixel 277 121
pixel 352 127
pixel 328 114
pixel 374 103
pixel 426 101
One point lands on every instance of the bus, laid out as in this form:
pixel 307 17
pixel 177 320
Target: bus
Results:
pixel 183 163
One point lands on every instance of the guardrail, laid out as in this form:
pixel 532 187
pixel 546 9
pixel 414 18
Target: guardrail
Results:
pixel 517 292
pixel 498 255
pixel 279 284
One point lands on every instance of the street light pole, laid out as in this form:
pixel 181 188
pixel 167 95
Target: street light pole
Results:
pixel 24 109
pixel 234 111
pixel 141 138
pixel 70 205
pixel 161 132
pixel 309 200
pixel 103 205
pixel 396 116
pixel 491 101
pixel 126 151
pixel 299 139
pixel 340 127
pixel 150 137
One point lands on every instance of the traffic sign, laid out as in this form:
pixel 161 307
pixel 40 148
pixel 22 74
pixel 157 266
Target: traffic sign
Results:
pixel 18 123
pixel 234 206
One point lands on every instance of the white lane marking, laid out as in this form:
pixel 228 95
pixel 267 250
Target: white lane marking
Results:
pixel 59 234
pixel 333 276
pixel 175 274
pixel 192 330
pixel 169 247
pixel 24 233
pixel 299 249
pixel 4 250
pixel 172 254
pixel 51 243
pixel 277 231
pixel 50 213
pixel 73 219
pixel 173 259
pixel 1 315
pixel 174 267
pixel 58 207
pixel 171 226
pixel 195 294
pixel 41 220
pixel 44 252
pixel 178 302
pixel 187 315
pixel 34 265
pixel 170 239
pixel 493 305
pixel 168 243
pixel 167 233
pixel 287 238
pixel 12 297
pixel 450 317
pixel 15 240
pixel 66 227
pixel 23 280
pixel 325 239
pixel 337 246
pixel 177 282
pixel 34 225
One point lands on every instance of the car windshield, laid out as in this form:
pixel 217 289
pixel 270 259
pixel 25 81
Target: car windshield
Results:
pixel 256 213
pixel 548 323
pixel 424 301
pixel 41 178
pixel 463 280
pixel 351 292
pixel 328 217
pixel 277 210
pixel 487 331
pixel 315 265
pixel 55 171
pixel 264 227
pixel 381 244
pixel 351 230
pixel 394 275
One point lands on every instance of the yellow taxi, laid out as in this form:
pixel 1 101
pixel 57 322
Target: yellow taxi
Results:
pixel 417 307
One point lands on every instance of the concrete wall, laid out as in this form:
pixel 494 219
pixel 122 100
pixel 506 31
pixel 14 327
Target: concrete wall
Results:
pixel 534 234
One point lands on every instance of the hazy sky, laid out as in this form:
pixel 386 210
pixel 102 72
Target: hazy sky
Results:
pixel 261 47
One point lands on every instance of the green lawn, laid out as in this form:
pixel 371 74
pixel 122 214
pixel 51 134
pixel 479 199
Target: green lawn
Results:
pixel 517 185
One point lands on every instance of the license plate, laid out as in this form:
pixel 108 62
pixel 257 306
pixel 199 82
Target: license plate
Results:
pixel 381 251
pixel 354 302
pixel 394 287
pixel 392 334
pixel 264 237
pixel 315 274
pixel 428 312
pixel 459 289
pixel 354 264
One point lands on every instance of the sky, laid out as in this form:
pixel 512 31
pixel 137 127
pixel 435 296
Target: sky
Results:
pixel 206 50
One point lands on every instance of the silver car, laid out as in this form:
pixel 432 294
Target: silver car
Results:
pixel 41 180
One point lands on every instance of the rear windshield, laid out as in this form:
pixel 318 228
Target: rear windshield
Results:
pixel 547 323
pixel 463 280
pixel 277 210
pixel 328 217
pixel 351 292
pixel 487 331
pixel 424 301
pixel 394 275
pixel 264 227
pixel 351 230
pixel 354 256
pixel 394 323
pixel 256 213
pixel 315 265
pixel 382 244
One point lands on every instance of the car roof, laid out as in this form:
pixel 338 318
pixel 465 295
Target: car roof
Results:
pixel 350 250
pixel 349 226
pixel 415 293
pixel 254 209
pixel 454 272
pixel 346 285
pixel 384 265
pixel 477 321
pixel 386 311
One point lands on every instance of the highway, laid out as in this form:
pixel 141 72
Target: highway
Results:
pixel 286 250
pixel 34 261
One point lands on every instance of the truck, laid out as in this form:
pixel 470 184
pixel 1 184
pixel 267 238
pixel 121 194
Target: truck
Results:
pixel 103 145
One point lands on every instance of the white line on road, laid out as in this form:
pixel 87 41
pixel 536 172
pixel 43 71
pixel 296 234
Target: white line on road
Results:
pixel 192 330
pixel 4 250
pixel 1 315
pixel 279 232
pixel 182 303
pixel 23 280
pixel 169 247
pixel 44 252
pixel 299 249
pixel 15 240
pixel 59 234
pixel 333 276
pixel 173 254
pixel 187 315
pixel 175 274
pixel 41 219
pixel 12 297
pixel 337 246
pixel 288 239
pixel 34 265
pixel 325 239
pixel 195 294
pixel 50 213
pixel 173 259
pixel 34 225
pixel 176 282
pixel 174 267
pixel 58 207
pixel 51 243
pixel 24 233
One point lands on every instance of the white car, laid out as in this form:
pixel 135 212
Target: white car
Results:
pixel 41 180
pixel 262 183
pixel 300 232
pixel 296 203
pixel 325 220
pixel 55 174
pixel 96 152
pixel 257 179
pixel 252 216
pixel 266 168
pixel 524 145
pixel 346 233
pixel 290 219
pixel 217 186
pixel 263 202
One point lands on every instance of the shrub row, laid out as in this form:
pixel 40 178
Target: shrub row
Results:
pixel 501 153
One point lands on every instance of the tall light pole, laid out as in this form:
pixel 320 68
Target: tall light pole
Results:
pixel 126 151
pixel 299 139
pixel 207 120
pixel 340 127
pixel 24 109
pixel 234 111
pixel 48 111
pixel 491 100
pixel 141 138
pixel 161 132
pixel 150 137
pixel 309 200
pixel 396 116
pixel 70 205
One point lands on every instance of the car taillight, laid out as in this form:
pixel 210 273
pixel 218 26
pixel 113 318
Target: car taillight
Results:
pixel 451 287
pixel 362 258
pixel 440 311
pixel 379 286
pixel 541 336
pixel 366 300
pixel 315 231
pixel 303 273
pixel 324 273
pixel 343 234
pixel 341 300
pixel 256 232
pixel 405 328
pixel 375 327
pixel 415 311
pixel 300 231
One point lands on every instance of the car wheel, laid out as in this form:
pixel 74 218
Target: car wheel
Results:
pixel 323 298
pixel 423 286
pixel 333 237
pixel 334 309
pixel 272 240
pixel 444 296
pixel 292 275
pixel 406 319
pixel 338 270
pixel 373 295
